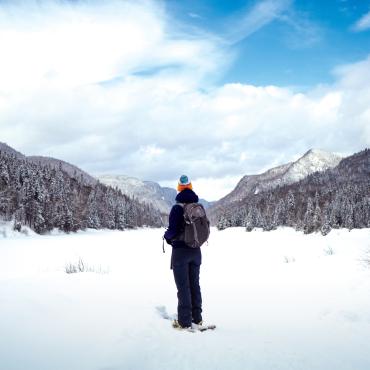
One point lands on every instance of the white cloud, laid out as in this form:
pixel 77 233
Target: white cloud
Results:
pixel 75 86
pixel 301 32
pixel 68 46
pixel 194 15
pixel 363 23
pixel 261 14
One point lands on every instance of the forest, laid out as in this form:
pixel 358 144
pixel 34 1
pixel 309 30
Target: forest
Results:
pixel 333 199
pixel 45 197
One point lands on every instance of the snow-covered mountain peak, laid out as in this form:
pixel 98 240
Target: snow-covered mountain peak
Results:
pixel 312 161
pixel 320 154
pixel 145 191
pixel 122 181
pixel 150 192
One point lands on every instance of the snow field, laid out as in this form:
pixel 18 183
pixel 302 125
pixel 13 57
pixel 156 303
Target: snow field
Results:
pixel 280 300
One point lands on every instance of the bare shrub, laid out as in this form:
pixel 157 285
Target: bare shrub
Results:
pixel 81 266
pixel 329 251
pixel 289 259
pixel 365 260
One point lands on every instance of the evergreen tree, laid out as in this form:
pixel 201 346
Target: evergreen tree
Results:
pixel 325 227
pixel 309 218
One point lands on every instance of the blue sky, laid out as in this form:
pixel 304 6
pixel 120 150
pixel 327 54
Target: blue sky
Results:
pixel 213 89
pixel 300 47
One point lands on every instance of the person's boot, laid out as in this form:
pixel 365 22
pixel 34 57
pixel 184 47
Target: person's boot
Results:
pixel 176 325
pixel 196 325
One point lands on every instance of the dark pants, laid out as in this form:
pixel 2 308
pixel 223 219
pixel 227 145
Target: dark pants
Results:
pixel 186 265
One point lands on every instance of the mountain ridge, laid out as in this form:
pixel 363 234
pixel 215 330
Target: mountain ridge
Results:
pixel 74 171
pixel 150 192
pixel 338 197
pixel 42 196
pixel 314 160
pixel 145 191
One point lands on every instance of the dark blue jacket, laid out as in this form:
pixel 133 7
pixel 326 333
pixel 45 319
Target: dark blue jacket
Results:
pixel 176 218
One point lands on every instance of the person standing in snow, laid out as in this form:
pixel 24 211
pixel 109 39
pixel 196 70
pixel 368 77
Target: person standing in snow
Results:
pixel 185 261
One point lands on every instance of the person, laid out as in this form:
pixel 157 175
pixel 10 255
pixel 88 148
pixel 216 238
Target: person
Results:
pixel 185 261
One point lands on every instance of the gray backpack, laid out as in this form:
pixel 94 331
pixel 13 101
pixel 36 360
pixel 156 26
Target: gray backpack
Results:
pixel 196 228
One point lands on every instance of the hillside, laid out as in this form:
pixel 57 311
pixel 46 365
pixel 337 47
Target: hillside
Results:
pixel 336 198
pixel 43 194
pixel 312 161
pixel 148 192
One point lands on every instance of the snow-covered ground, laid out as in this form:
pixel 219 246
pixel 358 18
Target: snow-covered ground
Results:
pixel 280 300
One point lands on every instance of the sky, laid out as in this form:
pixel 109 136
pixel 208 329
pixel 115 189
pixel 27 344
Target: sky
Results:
pixel 212 89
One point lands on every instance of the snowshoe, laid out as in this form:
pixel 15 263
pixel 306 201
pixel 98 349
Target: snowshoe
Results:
pixel 202 327
pixel 176 325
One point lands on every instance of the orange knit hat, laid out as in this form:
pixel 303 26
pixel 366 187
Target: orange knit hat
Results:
pixel 184 183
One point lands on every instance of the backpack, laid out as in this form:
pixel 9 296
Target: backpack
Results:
pixel 196 225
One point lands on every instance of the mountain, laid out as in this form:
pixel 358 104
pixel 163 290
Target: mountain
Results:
pixel 46 193
pixel 148 192
pixel 5 148
pixel 72 170
pixel 314 160
pixel 205 203
pixel 338 197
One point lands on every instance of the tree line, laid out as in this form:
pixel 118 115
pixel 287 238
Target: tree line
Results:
pixel 336 198
pixel 44 197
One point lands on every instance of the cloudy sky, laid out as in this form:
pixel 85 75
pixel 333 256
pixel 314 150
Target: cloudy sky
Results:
pixel 212 89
